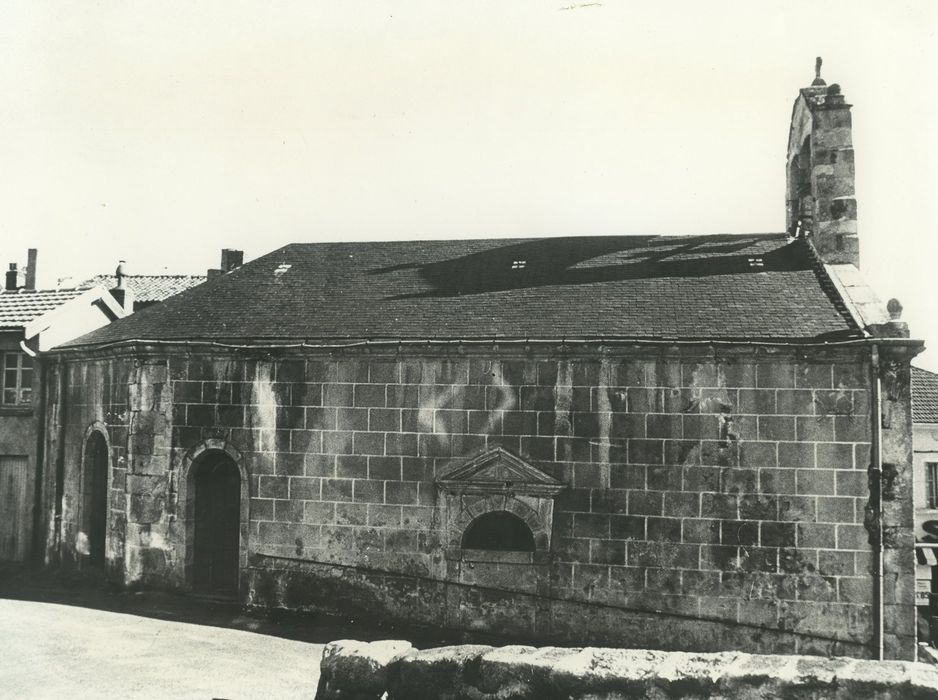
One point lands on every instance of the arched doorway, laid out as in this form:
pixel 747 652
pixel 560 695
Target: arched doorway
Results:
pixel 216 521
pixel 94 500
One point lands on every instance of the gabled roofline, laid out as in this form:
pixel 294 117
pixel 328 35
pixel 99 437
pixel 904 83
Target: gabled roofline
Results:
pixel 859 298
pixel 468 469
pixel 89 296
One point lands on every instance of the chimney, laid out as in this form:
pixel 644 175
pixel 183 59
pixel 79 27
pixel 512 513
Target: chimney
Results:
pixel 231 259
pixel 122 293
pixel 31 269
pixel 821 200
pixel 13 275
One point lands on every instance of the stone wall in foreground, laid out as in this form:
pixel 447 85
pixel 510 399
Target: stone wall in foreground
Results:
pixel 352 669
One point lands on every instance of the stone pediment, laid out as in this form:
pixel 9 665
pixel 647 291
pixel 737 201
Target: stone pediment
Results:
pixel 499 471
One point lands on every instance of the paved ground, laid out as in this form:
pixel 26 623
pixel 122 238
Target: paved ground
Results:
pixel 72 636
pixel 18 582
pixel 63 651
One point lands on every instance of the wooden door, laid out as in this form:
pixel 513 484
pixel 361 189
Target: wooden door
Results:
pixel 14 508
pixel 217 524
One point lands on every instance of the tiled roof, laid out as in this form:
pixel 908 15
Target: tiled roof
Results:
pixel 149 288
pixel 634 287
pixel 924 396
pixel 18 308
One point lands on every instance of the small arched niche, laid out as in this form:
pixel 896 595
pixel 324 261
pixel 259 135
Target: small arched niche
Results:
pixel 498 531
pixel 497 506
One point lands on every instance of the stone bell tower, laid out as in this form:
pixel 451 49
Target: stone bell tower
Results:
pixel 821 200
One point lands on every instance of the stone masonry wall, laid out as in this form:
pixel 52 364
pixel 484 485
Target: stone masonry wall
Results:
pixel 84 397
pixel 730 488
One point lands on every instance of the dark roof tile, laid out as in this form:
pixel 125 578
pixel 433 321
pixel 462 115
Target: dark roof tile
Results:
pixel 695 287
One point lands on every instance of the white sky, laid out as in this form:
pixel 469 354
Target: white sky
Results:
pixel 163 132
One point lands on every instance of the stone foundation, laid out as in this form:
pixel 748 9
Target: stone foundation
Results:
pixel 513 615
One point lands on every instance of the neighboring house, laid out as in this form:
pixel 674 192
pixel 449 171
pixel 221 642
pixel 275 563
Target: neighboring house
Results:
pixel 148 289
pixel 925 474
pixel 145 290
pixel 631 440
pixel 32 321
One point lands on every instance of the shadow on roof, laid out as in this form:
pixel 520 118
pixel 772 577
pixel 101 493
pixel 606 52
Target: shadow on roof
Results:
pixel 578 261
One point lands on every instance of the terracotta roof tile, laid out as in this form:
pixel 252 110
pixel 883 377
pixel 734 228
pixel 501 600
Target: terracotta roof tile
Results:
pixel 18 308
pixel 149 288
pixel 652 287
pixel 924 396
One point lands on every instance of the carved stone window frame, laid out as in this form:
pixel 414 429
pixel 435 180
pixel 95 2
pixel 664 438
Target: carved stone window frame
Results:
pixel 497 480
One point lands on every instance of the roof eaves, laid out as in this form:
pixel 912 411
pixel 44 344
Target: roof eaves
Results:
pixel 846 339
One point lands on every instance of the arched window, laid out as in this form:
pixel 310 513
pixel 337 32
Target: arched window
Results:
pixel 801 198
pixel 498 531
